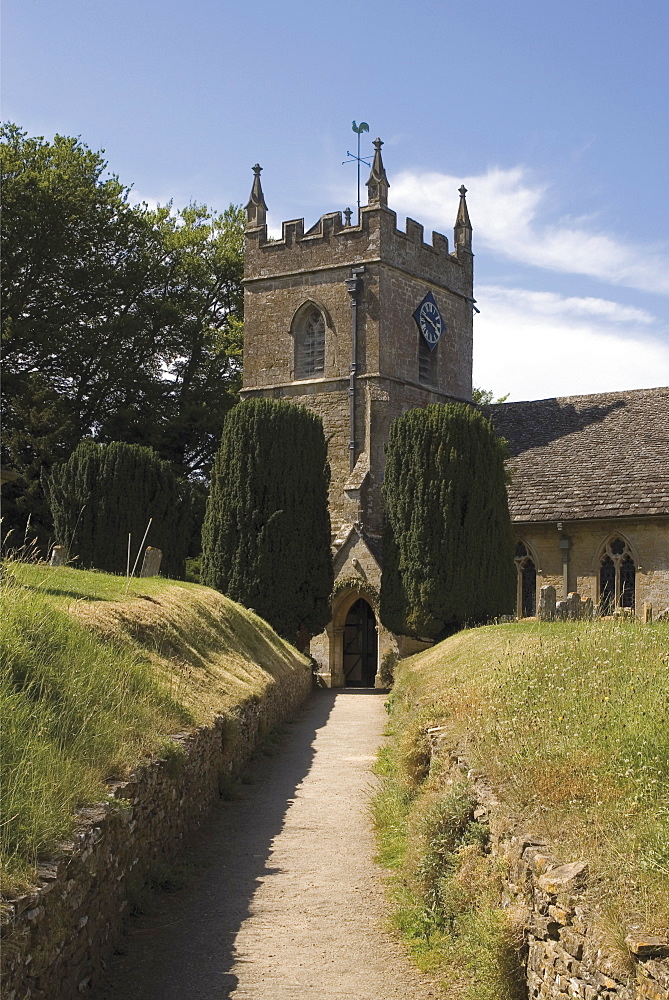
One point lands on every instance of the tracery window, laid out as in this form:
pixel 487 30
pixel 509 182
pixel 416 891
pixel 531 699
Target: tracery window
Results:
pixel 617 577
pixel 427 362
pixel 527 582
pixel 309 343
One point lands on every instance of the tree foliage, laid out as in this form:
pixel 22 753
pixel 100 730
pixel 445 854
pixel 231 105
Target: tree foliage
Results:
pixel 103 493
pixel 200 304
pixel 120 322
pixel 447 550
pixel 485 396
pixel 266 535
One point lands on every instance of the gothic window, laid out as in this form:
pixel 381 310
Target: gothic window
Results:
pixel 617 577
pixel 309 335
pixel 427 362
pixel 627 580
pixel 527 582
pixel 607 585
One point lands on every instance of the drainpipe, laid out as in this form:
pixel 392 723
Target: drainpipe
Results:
pixel 565 545
pixel 353 287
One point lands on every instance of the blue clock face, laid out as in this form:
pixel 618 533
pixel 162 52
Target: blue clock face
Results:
pixel 429 320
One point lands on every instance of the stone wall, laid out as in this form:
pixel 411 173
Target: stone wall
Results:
pixel 57 938
pixel 570 952
pixel 649 541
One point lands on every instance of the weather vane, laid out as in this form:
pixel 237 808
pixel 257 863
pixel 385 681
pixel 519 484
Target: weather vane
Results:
pixel 353 158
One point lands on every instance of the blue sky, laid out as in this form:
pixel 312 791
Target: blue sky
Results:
pixel 554 115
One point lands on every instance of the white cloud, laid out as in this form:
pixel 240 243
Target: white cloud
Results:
pixel 136 198
pixel 539 344
pixel 552 304
pixel 505 209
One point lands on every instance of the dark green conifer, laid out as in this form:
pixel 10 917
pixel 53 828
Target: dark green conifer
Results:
pixel 447 551
pixel 266 534
pixel 103 493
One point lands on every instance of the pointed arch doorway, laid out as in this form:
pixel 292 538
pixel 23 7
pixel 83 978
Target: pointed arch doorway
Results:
pixel 361 645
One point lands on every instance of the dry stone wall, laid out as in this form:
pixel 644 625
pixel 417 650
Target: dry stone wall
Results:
pixel 570 952
pixel 56 940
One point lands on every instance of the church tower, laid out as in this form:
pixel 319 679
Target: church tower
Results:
pixel 359 323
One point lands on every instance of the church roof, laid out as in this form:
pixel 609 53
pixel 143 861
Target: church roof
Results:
pixel 582 457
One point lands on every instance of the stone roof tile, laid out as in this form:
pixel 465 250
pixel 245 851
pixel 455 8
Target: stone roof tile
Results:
pixel 575 457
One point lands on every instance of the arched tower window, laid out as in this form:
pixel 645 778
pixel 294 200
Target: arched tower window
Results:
pixel 617 577
pixel 527 582
pixel 309 334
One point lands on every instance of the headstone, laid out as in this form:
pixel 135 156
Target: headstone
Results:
pixel 152 560
pixel 572 608
pixel 547 603
pixel 58 555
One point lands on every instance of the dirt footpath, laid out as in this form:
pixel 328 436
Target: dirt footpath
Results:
pixel 286 902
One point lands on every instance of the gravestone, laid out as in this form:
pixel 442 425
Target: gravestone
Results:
pixel 58 555
pixel 572 608
pixel 547 603
pixel 152 560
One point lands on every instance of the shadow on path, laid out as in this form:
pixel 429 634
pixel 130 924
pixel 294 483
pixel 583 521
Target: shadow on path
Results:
pixel 185 948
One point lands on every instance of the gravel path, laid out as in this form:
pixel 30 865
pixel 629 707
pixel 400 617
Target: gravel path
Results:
pixel 287 902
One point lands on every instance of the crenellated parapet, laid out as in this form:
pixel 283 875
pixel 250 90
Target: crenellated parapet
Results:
pixel 330 242
pixel 331 323
pixel 334 242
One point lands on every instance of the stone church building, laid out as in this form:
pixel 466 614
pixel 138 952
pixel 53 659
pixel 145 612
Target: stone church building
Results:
pixel 363 322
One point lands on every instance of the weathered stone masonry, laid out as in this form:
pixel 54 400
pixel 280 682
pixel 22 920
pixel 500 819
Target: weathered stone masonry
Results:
pixel 586 472
pixel 396 270
pixel 568 953
pixel 56 940
pixel 363 380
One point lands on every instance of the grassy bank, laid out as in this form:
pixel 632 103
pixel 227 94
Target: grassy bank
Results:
pixel 95 675
pixel 569 723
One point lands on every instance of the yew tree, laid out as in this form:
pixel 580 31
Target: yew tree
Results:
pixel 266 534
pixel 447 549
pixel 103 493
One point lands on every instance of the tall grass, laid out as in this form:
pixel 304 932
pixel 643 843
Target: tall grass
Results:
pixel 66 583
pixel 569 724
pixel 93 679
pixel 445 886
pixel 76 712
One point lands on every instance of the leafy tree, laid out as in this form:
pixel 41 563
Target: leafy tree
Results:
pixel 77 263
pixel 266 535
pixel 447 551
pixel 485 396
pixel 103 493
pixel 201 339
pixel 119 322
